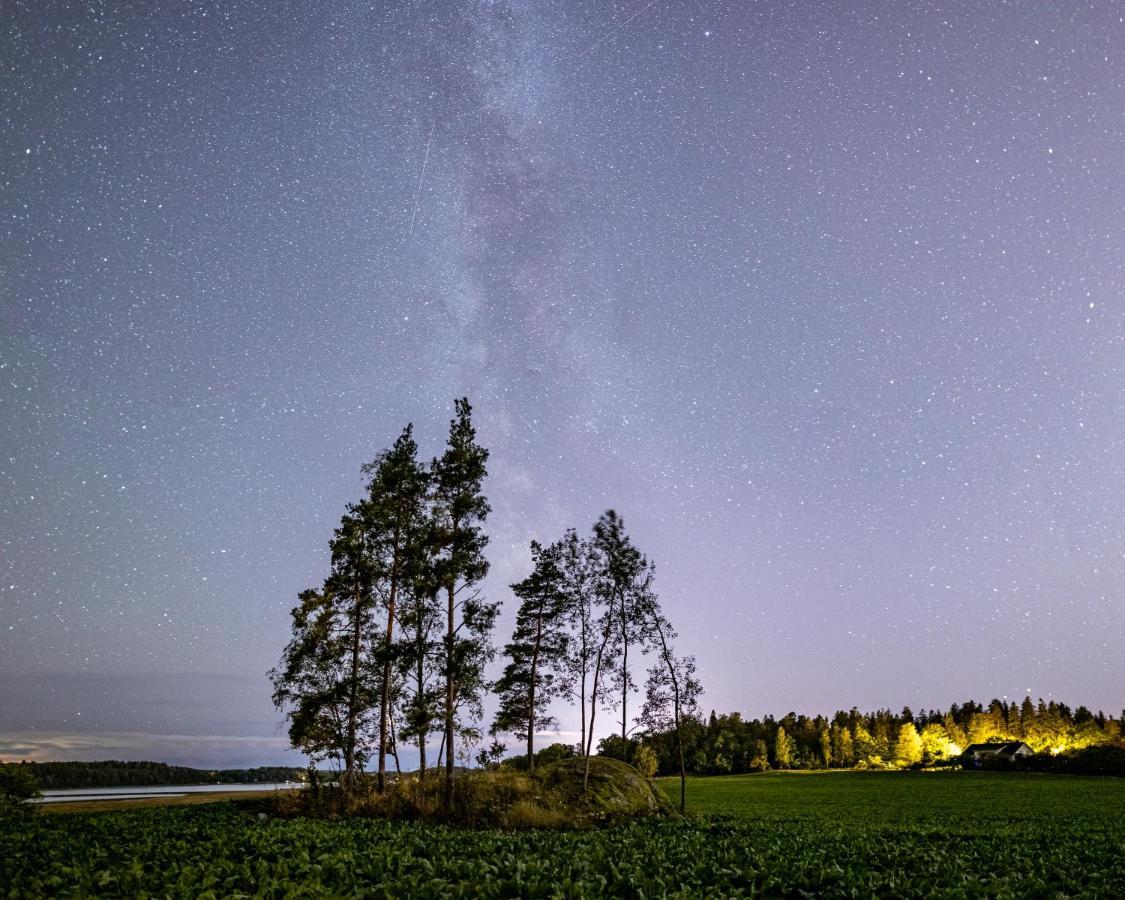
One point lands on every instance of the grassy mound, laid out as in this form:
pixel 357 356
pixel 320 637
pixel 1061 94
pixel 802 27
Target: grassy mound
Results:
pixel 554 797
pixel 614 791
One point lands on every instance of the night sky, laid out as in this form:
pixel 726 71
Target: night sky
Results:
pixel 827 299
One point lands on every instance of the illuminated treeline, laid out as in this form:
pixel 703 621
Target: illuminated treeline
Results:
pixel 728 744
pixel 114 773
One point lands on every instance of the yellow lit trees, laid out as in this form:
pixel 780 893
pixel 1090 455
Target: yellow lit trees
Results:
pixel 936 744
pixel 908 748
pixel 782 750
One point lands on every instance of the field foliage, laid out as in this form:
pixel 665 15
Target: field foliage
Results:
pixel 889 834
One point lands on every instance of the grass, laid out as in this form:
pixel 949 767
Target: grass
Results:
pixel 905 798
pixel 552 797
pixel 189 799
pixel 949 835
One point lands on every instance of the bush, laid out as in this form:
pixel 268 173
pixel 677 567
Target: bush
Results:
pixel 645 761
pixel 554 753
pixel 551 798
pixel 550 754
pixel 1107 759
pixel 991 763
pixel 1103 759
pixel 614 747
pixel 17 786
pixel 528 814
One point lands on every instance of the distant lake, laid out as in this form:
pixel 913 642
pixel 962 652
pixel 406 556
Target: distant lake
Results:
pixel 74 795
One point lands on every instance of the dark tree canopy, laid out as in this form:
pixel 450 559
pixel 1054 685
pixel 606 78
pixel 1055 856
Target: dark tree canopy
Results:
pixel 536 672
pixel 407 557
pixel 460 509
pixel 313 682
pixel 394 515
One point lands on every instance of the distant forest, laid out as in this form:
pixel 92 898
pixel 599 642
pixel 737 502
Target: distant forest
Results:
pixel 729 744
pixel 113 773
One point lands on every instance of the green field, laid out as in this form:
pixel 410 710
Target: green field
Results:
pixel 834 834
pixel 986 799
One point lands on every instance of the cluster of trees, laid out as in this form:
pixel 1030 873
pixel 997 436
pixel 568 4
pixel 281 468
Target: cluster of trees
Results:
pixel 726 744
pixel 17 786
pixel 114 773
pixel 407 555
pixel 587 605
pixel 394 645
pixel 1095 759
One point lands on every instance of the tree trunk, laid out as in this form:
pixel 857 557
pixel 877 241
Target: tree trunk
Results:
pixel 680 750
pixel 593 711
pixel 582 704
pixel 353 699
pixel 624 682
pixel 531 695
pixel 384 700
pixel 448 795
pixel 420 674
pixel 349 763
pixel 393 744
pixel 420 677
pixel 670 662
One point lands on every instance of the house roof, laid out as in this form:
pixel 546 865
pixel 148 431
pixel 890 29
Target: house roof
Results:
pixel 1007 748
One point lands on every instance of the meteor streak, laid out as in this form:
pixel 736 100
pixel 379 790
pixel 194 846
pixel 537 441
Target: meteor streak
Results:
pixel 421 178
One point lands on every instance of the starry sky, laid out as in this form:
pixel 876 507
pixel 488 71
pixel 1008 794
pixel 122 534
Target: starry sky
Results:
pixel 828 300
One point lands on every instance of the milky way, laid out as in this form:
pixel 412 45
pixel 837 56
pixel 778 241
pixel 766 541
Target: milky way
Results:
pixel 826 301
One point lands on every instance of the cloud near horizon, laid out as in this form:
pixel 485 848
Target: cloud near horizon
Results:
pixel 203 751
pixel 195 750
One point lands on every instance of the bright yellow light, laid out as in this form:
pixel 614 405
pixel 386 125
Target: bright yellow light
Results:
pixel 1058 748
pixel 952 749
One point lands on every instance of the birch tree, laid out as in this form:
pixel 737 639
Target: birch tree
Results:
pixel 624 580
pixel 672 690
pixel 585 650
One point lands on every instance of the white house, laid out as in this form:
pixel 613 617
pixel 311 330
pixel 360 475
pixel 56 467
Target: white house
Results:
pixel 1008 752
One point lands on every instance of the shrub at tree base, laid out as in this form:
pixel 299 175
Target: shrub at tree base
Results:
pixel 549 754
pixel 646 761
pixel 551 798
pixel 1107 759
pixel 16 788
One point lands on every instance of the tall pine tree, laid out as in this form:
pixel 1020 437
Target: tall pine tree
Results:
pixel 394 515
pixel 419 652
pixel 325 680
pixel 309 683
pixel 461 509
pixel 352 581
pixel 535 673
